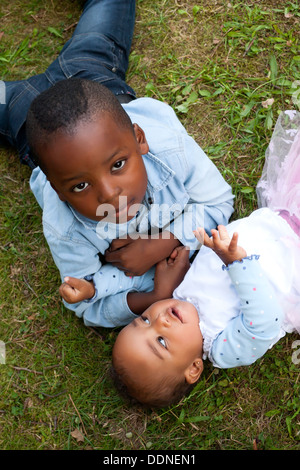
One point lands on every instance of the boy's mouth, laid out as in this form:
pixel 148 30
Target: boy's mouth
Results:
pixel 123 212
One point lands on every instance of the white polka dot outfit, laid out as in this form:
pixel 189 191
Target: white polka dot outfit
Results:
pixel 244 308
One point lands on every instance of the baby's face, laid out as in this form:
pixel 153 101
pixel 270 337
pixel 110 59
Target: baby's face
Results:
pixel 99 169
pixel 166 338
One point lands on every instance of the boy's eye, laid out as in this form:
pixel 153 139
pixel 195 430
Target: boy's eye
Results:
pixel 80 187
pixel 118 165
pixel 162 341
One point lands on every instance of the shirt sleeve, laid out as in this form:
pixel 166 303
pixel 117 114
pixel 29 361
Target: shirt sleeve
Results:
pixel 250 334
pixel 78 258
pixel 112 310
pixel 210 197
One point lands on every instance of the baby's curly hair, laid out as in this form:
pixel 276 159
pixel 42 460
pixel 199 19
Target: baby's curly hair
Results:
pixel 155 394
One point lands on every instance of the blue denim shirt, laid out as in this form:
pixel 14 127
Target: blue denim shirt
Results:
pixel 185 190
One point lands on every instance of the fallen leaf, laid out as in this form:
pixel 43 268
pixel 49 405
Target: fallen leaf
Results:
pixel 77 435
pixel 268 102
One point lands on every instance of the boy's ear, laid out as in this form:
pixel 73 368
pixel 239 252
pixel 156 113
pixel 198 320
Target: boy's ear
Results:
pixel 61 197
pixel 141 139
pixel 193 372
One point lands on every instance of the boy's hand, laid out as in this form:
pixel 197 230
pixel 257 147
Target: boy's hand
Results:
pixel 75 290
pixel 135 257
pixel 225 247
pixel 170 272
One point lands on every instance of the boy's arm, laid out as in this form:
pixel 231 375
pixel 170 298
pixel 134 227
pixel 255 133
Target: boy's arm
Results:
pixel 210 196
pixel 135 257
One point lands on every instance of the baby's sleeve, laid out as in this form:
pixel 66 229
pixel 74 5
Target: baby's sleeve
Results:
pixel 250 334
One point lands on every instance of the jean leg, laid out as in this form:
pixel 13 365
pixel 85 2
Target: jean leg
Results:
pixel 13 111
pixel 101 39
pixel 113 19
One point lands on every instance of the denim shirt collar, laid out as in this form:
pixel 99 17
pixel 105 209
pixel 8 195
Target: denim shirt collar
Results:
pixel 159 175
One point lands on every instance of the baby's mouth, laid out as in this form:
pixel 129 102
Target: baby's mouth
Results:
pixel 176 313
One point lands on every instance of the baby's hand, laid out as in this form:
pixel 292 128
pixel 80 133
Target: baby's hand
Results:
pixel 75 290
pixel 225 247
pixel 170 272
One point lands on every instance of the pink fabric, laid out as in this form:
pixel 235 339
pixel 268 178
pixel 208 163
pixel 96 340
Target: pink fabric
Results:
pixel 279 186
pixel 292 220
pixel 279 189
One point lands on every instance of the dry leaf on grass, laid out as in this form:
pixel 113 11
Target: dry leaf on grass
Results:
pixel 77 435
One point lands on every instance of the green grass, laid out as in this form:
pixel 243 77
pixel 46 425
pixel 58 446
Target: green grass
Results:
pixel 216 63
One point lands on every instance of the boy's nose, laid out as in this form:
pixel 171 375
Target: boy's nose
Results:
pixel 107 193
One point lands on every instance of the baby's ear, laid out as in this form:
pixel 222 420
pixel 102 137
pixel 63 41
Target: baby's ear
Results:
pixel 141 139
pixel 193 372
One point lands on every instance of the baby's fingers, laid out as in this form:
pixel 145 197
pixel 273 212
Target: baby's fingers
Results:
pixel 223 232
pixel 233 242
pixel 67 292
pixel 202 237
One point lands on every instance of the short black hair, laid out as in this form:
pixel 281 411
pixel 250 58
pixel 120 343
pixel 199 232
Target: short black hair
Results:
pixel 66 104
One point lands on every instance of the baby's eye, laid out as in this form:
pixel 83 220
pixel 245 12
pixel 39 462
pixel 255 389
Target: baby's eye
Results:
pixel 162 341
pixel 145 319
pixel 118 165
pixel 80 187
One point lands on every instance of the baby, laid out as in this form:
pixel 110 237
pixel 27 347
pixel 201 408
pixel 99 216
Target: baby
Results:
pixel 159 356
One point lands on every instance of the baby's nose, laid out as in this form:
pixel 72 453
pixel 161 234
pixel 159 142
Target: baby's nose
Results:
pixel 164 320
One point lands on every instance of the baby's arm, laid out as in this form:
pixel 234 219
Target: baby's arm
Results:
pixel 75 290
pixel 249 335
pixel 168 275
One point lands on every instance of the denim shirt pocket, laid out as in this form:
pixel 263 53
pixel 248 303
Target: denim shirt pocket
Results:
pixel 166 195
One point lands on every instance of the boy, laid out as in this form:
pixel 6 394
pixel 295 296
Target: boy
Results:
pixel 108 169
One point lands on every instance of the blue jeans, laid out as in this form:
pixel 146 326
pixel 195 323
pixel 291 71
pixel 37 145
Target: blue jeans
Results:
pixel 98 50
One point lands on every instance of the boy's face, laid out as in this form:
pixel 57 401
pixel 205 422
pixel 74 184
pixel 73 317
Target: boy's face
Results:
pixel 99 169
pixel 164 340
